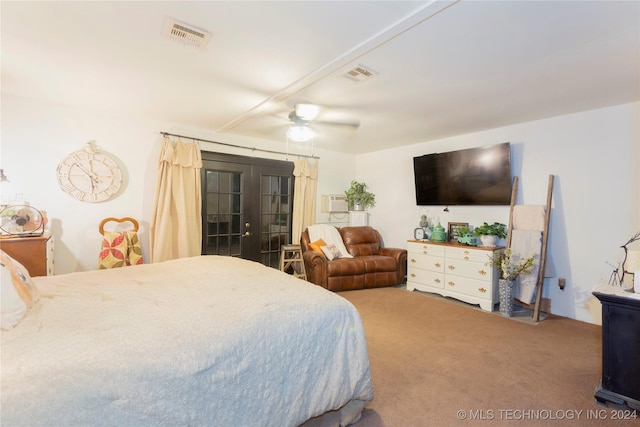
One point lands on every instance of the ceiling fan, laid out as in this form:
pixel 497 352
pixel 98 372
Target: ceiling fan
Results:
pixel 303 116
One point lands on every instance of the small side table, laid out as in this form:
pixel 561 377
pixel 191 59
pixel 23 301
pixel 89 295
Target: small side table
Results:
pixel 291 256
pixel 35 253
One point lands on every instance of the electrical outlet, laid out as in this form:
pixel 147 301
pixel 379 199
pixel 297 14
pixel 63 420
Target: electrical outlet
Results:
pixel 561 283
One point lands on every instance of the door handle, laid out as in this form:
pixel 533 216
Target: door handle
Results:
pixel 246 234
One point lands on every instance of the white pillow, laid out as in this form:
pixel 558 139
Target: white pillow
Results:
pixel 17 291
pixel 331 252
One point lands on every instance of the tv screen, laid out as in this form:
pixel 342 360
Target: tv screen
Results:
pixel 475 176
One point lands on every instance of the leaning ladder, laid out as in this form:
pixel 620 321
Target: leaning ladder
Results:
pixel 545 239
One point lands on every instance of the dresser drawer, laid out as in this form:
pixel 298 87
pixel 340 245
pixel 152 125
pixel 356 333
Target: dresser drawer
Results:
pixel 425 249
pixel 468 269
pixel 468 254
pixel 473 288
pixel 425 262
pixel 426 277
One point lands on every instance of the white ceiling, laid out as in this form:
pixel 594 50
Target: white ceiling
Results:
pixel 444 67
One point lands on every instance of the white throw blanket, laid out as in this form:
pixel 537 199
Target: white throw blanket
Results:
pixel 523 244
pixel 526 238
pixel 203 341
pixel 528 217
pixel 330 235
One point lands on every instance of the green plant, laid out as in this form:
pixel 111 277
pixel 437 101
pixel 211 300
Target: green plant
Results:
pixel 462 230
pixel 509 265
pixel 495 229
pixel 357 193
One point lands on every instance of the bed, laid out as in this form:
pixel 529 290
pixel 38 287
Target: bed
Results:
pixel 203 341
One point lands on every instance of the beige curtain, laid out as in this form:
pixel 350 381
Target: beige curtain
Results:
pixel 304 197
pixel 176 225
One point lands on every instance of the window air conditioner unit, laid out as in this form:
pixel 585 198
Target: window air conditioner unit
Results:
pixel 332 203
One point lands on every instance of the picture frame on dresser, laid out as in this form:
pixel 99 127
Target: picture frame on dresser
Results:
pixel 453 230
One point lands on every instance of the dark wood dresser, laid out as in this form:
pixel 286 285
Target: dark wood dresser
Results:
pixel 34 253
pixel 620 382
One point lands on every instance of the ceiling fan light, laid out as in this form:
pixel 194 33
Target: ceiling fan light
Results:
pixel 307 111
pixel 300 133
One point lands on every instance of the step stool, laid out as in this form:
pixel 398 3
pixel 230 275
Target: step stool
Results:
pixel 291 256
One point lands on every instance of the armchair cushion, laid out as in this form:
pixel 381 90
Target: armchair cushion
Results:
pixel 361 241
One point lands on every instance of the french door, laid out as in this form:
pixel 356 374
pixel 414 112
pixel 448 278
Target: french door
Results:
pixel 246 206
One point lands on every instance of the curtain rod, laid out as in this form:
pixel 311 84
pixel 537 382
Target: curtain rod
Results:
pixel 239 146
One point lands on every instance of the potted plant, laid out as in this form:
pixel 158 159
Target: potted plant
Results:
pixel 490 233
pixel 358 198
pixel 509 266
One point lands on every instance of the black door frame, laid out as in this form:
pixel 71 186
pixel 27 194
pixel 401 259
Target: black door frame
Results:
pixel 251 201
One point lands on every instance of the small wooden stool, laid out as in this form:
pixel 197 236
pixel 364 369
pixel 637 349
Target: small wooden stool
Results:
pixel 291 256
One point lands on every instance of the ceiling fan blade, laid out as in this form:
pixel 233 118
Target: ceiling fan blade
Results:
pixel 354 124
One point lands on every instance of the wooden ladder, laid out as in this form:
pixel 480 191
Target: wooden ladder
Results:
pixel 291 256
pixel 545 239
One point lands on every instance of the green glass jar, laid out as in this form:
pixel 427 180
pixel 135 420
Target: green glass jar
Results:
pixel 438 234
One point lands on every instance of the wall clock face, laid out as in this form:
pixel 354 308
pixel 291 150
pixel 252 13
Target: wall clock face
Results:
pixel 89 176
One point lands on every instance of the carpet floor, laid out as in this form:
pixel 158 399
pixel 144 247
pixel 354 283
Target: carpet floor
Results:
pixel 436 362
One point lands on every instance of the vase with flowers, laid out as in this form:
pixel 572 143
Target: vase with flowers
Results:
pixel 510 266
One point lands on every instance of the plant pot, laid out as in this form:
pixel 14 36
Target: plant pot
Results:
pixel 489 241
pixel 507 293
pixel 357 206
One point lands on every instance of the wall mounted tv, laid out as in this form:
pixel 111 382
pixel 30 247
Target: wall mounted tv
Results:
pixel 475 176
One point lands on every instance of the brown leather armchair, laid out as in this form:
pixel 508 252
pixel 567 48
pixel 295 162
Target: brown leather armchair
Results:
pixel 372 265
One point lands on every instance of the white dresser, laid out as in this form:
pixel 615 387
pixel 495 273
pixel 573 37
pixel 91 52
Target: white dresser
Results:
pixel 453 270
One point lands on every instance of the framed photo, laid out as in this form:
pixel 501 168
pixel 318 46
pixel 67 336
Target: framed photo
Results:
pixel 453 230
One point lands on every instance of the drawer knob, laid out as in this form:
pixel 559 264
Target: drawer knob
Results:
pixel 412 275
pixel 482 272
pixel 466 258
pixel 451 283
pixel 466 252
pixel 437 264
pixel 437 280
pixel 452 267
pixel 413 260
pixel 482 290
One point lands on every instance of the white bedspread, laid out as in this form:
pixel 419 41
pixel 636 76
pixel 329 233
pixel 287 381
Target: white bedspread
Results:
pixel 204 341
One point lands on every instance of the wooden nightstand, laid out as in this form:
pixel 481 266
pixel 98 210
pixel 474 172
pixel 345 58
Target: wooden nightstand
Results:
pixel 35 253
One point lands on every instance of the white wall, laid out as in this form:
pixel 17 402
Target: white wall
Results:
pixel 35 137
pixel 594 156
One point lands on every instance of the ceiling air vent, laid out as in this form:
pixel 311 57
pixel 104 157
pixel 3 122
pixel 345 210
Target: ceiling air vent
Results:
pixel 186 34
pixel 360 73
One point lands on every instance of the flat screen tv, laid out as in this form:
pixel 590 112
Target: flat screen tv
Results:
pixel 475 176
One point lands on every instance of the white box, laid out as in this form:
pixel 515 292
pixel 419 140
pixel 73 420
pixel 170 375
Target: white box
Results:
pixel 358 218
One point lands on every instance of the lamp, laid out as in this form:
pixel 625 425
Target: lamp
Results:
pixel 300 133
